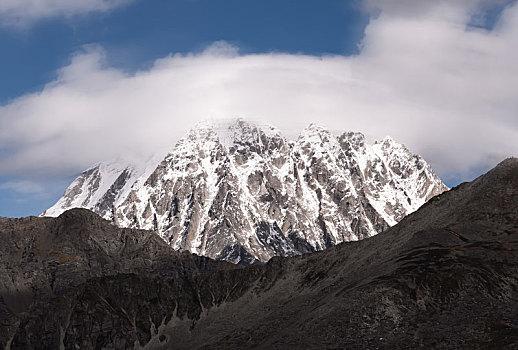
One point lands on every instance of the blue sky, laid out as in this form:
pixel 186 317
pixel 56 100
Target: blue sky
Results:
pixel 97 78
pixel 140 32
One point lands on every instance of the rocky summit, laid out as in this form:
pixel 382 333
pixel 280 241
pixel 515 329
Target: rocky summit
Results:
pixel 445 277
pixel 240 191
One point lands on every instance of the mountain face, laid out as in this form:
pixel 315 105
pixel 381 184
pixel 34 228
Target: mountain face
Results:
pixel 47 263
pixel 445 277
pixel 241 192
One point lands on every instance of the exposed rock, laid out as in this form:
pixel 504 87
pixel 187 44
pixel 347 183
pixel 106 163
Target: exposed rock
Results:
pixel 446 276
pixel 230 184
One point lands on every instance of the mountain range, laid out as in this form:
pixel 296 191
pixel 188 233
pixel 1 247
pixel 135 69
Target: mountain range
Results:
pixel 445 276
pixel 240 191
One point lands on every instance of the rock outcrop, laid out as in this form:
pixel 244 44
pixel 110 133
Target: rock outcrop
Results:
pixel 242 192
pixel 446 276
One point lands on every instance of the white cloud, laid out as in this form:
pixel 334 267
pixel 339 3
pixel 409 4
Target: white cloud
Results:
pixel 23 12
pixel 23 186
pixel 425 78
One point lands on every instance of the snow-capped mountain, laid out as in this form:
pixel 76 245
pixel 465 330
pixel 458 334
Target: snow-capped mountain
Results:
pixel 240 191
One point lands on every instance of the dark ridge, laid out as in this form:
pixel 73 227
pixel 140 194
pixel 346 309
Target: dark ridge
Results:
pixel 445 277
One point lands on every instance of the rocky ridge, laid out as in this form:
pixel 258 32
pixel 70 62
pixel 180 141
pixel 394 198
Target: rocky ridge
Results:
pixel 240 191
pixel 43 260
pixel 446 276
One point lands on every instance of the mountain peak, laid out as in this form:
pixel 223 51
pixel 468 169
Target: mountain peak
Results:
pixel 355 139
pixel 508 164
pixel 219 123
pixel 233 131
pixel 504 173
pixel 390 146
pixel 446 277
pixel 315 128
pixel 388 142
pixel 77 213
pixel 236 186
pixel 316 135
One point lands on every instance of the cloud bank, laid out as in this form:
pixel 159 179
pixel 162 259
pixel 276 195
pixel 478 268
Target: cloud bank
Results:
pixel 424 76
pixel 24 12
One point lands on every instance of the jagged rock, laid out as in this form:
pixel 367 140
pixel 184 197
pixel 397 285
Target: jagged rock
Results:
pixel 446 276
pixel 228 184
